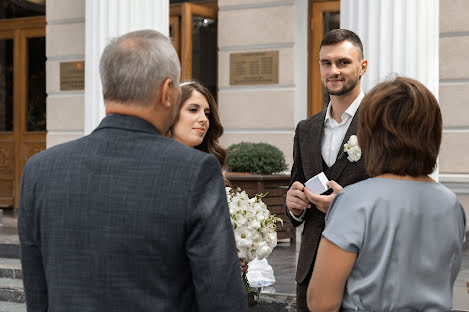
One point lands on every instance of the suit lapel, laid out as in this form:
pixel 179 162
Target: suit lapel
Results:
pixel 340 164
pixel 315 148
pixel 310 144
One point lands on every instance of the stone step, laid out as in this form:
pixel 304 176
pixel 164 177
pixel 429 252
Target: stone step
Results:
pixel 11 290
pixel 9 250
pixel 10 268
pixel 12 307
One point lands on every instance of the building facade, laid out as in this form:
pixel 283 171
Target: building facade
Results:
pixel 278 40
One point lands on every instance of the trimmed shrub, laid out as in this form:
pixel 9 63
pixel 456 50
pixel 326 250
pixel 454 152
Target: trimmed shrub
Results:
pixel 256 158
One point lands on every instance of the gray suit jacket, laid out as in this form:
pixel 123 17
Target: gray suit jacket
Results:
pixel 307 162
pixel 127 220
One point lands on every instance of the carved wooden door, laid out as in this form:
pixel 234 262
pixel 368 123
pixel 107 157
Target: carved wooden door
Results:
pixel 22 100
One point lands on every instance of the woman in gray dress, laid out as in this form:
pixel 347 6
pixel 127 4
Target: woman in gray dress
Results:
pixel 392 242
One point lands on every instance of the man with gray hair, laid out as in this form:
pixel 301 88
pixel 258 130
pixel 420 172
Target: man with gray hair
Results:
pixel 125 219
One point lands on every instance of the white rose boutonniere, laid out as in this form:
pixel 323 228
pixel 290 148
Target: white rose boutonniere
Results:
pixel 352 149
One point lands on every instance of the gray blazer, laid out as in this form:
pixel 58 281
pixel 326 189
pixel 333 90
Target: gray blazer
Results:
pixel 127 220
pixel 307 162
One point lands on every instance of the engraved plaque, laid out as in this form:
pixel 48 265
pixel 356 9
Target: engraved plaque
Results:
pixel 252 68
pixel 72 76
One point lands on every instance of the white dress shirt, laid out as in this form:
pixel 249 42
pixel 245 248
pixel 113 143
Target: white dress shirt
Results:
pixel 333 136
pixel 334 132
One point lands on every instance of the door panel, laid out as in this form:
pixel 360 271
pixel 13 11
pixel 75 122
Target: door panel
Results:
pixel 184 18
pixel 325 16
pixel 7 169
pixel 22 102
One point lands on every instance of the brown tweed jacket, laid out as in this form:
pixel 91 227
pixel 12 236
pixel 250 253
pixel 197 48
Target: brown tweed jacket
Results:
pixel 307 162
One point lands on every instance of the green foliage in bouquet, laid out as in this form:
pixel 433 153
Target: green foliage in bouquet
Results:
pixel 257 158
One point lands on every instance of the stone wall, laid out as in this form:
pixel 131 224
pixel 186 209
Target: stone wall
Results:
pixel 65 41
pixel 262 113
pixel 454 95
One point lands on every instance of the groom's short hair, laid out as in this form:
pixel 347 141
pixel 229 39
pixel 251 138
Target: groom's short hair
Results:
pixel 338 35
pixel 400 128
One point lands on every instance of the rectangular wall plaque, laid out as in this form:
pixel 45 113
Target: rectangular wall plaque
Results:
pixel 72 76
pixel 252 68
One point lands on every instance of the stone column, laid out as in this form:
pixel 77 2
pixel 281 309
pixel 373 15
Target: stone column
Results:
pixel 106 19
pixel 399 37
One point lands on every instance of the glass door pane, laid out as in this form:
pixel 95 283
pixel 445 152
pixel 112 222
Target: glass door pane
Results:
pixel 204 52
pixel 36 79
pixel 6 85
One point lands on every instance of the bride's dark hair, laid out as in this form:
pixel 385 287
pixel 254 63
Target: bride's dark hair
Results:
pixel 210 143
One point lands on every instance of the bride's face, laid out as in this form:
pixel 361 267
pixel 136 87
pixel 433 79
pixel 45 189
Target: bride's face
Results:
pixel 193 121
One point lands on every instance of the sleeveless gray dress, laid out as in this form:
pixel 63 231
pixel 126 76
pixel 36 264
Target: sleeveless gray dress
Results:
pixel 408 236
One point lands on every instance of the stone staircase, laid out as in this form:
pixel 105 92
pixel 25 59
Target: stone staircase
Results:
pixel 11 286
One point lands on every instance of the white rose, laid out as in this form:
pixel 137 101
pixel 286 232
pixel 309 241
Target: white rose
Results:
pixel 242 252
pixel 271 239
pixel 353 140
pixel 240 220
pixel 354 154
pixel 254 224
pixel 243 237
pixel 252 254
pixel 263 250
pixel 256 237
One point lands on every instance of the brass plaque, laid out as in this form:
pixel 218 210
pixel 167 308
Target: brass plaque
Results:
pixel 253 68
pixel 72 76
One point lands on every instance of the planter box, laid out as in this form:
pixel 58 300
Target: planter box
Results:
pixel 276 186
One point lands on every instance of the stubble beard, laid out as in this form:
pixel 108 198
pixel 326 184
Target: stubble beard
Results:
pixel 347 87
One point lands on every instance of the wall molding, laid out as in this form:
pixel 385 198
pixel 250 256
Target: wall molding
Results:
pixel 269 46
pixel 66 21
pixel 453 34
pixel 259 131
pixel 256 5
pixel 255 88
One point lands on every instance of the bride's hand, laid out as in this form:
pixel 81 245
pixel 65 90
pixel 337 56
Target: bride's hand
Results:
pixel 243 265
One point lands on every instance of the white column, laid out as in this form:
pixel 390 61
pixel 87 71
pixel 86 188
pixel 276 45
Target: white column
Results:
pixel 400 37
pixel 106 19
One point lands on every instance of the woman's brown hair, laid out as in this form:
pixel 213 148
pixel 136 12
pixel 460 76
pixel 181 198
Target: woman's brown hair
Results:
pixel 210 143
pixel 400 128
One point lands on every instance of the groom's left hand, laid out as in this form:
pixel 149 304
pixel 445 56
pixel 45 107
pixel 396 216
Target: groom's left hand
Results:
pixel 323 202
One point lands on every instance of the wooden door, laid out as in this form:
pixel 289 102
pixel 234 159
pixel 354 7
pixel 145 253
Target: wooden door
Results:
pixel 325 16
pixel 22 100
pixel 182 17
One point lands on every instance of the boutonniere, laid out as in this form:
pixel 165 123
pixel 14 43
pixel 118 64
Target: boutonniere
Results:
pixel 352 149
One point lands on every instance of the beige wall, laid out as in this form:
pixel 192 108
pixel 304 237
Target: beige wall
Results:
pixel 65 41
pixel 258 113
pixel 454 95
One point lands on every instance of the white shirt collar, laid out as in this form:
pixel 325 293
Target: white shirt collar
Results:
pixel 350 111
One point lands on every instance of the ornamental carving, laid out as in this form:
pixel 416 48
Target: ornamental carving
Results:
pixel 4 159
pixel 33 149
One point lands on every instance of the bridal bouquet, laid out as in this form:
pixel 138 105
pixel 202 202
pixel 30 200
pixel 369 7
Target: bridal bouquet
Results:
pixel 253 225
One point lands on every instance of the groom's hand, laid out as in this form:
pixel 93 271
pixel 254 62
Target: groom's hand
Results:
pixel 296 199
pixel 323 202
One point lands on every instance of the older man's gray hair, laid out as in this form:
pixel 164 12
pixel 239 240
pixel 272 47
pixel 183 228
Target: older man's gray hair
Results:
pixel 134 65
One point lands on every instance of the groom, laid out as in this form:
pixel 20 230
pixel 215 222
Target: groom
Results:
pixel 318 144
pixel 125 219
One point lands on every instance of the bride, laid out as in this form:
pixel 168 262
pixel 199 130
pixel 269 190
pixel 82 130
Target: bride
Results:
pixel 198 125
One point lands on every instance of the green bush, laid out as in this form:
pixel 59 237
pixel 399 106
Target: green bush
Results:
pixel 257 158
